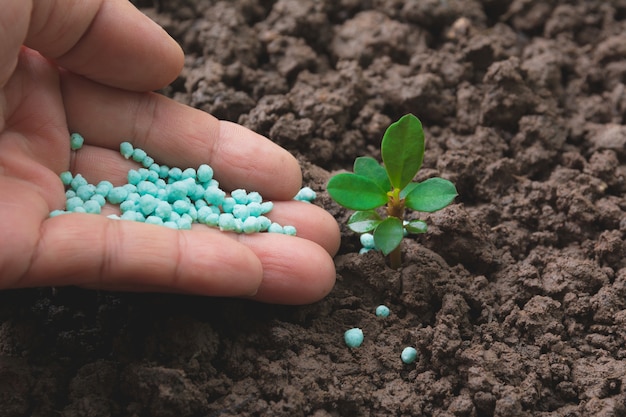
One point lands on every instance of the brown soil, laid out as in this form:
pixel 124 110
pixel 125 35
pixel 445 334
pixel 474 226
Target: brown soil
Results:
pixel 515 299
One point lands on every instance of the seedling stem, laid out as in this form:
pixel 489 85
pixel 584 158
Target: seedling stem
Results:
pixel 395 208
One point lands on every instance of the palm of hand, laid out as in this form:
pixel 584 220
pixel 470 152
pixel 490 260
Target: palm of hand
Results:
pixel 33 149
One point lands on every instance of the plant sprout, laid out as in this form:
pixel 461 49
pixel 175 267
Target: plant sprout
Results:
pixel 373 185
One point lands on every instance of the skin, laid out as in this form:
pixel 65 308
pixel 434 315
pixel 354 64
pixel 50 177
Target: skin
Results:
pixel 89 67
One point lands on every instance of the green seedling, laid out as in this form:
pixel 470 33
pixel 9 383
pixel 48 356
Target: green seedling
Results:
pixel 373 185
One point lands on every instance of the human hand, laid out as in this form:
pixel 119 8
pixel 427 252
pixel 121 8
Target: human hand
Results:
pixel 88 67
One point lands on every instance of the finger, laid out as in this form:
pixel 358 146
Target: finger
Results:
pixel 295 270
pixel 110 42
pixel 311 222
pixel 125 255
pixel 178 135
pixel 84 249
pixel 13 28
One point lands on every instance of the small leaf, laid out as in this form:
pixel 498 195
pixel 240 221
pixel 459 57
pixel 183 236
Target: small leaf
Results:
pixel 364 221
pixel 416 226
pixel 388 234
pixel 370 168
pixel 402 150
pixel 406 190
pixel 356 192
pixel 431 195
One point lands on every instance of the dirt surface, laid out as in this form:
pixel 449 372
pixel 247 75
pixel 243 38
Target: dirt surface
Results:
pixel 515 299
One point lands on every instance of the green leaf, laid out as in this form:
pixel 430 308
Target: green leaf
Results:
pixel 431 195
pixel 402 150
pixel 356 192
pixel 416 226
pixel 406 190
pixel 370 168
pixel 388 234
pixel 364 221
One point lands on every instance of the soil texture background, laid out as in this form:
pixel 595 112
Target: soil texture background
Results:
pixel 516 297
